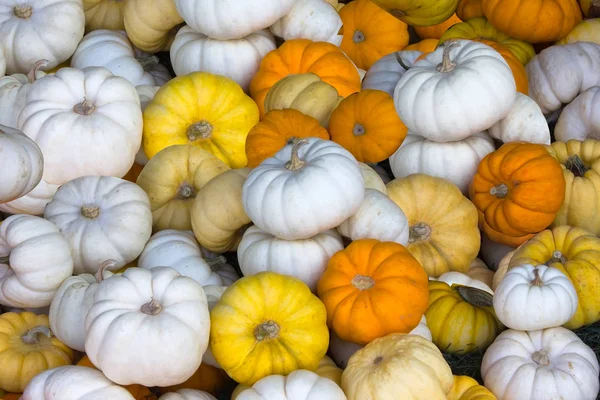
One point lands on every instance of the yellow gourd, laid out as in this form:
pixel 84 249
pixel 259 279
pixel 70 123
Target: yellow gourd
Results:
pixel 467 388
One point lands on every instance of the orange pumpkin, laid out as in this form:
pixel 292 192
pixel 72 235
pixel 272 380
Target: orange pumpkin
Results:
pixel 518 189
pixel 518 70
pixel 425 45
pixel 370 33
pixel 298 56
pixel 371 289
pixel 10 396
pixel 279 126
pixel 206 378
pixel 436 31
pixel 133 172
pixel 367 125
pixel 468 9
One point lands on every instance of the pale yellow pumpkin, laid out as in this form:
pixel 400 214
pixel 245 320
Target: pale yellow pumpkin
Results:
pixel 478 270
pixel 150 24
pixel 587 30
pixel 502 268
pixel 104 14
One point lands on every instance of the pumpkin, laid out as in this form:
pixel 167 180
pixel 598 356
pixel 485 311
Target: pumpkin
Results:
pixel 585 31
pixel 420 13
pixel 446 73
pixel 579 119
pixel 436 31
pixel 102 108
pixel 172 179
pixel 143 309
pixel 461 318
pixel 539 21
pixel 299 56
pixel 34 260
pixel 371 177
pixel 27 349
pixel 149 24
pixel 252 339
pixel 299 385
pixel 103 14
pixel 13 93
pixel 424 46
pixel 524 122
pixel 189 47
pixel 279 195
pixel 548 363
pixel 276 129
pixel 366 124
pixel 572 251
pixel 22 164
pixel 458 278
pixel 50 30
pixel 366 292
pixel 478 270
pixel 419 369
pixel 328 369
pixel 206 378
pixel 385 73
pixel 559 73
pixel 208 111
pixel 187 394
pixel 33 202
pixel 467 388
pixel 518 190
pixel 443 233
pixel 468 9
pixel 219 225
pixel 305 259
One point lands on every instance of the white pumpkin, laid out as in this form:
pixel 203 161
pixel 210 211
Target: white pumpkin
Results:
pixel 299 385
pixel 387 71
pixel 72 382
pixel 559 73
pixel 180 251
pixel 238 59
pixel 146 94
pixel 86 122
pixel 307 188
pixel 71 304
pixel 539 365
pixel 459 278
pixel 316 20
pixel 305 259
pixel 377 218
pixel 580 119
pixel 531 298
pixel 31 30
pixel 2 63
pixel 456 161
pixel 187 394
pixel 144 319
pixel 32 203
pixel 102 217
pixel 456 91
pixel 34 260
pixel 372 179
pixel 524 122
pixel 13 92
pixel 21 163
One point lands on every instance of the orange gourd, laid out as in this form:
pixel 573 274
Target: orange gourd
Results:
pixel 133 172
pixel 425 45
pixel 468 9
pixel 298 56
pixel 367 125
pixel 518 190
pixel 279 126
pixel 436 31
pixel 371 289
pixel 370 33
pixel 518 70
pixel 206 378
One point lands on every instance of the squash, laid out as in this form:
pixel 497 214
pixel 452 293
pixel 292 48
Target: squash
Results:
pixel 366 124
pixel 524 122
pixel 208 111
pixel 538 21
pixel 206 378
pixel 458 278
pixel 299 385
pixel 172 179
pixel 419 13
pixel 187 394
pixel 573 251
pixel 445 73
pixel 385 73
pixel 149 23
pixel 189 48
pixel 425 46
pixel 478 270
pixel 371 177
pixel 328 369
pixel 33 202
pixel 436 31
pixel 419 369
pixel 13 93
pixel 518 190
pixel 579 119
pixel 585 31
pixel 251 338
pixel 104 14
pixel 443 233
pixel 467 388
pixel 468 9
pixel 299 56
pixel 529 364
pixel 367 294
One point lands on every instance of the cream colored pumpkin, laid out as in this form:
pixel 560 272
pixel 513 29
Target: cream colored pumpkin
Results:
pixel 387 71
pixel 299 385
pixel 502 269
pixel 187 394
pixel 458 278
pixel 478 270
pixel 372 179
pixel 151 24
pixel 580 119
pixel 13 93
pixel 32 203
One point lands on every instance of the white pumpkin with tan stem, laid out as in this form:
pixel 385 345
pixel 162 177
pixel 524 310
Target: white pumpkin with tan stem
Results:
pixel 436 96
pixel 187 394
pixel 93 128
pixel 546 364
pixel 190 48
pixel 32 203
pixel 580 119
pixel 21 163
pixel 299 385
pixel 131 326
pixel 280 195
pixel 13 93
pixel 387 71
pixel 372 179
pixel 102 218
pixel 34 260
pixel 305 259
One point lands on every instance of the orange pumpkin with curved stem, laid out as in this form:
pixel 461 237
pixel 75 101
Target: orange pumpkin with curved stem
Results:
pixel 518 190
pixel 468 9
pixel 436 31
pixel 367 125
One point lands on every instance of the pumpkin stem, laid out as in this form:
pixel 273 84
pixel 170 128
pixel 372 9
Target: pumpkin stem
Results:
pixel 537 281
pixel 557 257
pixel 475 297
pixel 4 259
pixel 31 337
pixel 186 191
pixel 90 212
pixel 295 162
pixel 199 130
pixel 86 107
pixel 400 61
pixel 153 307
pixel 358 36
pixel 362 282
pixel 100 273
pixel 31 75
pixel 541 357
pixel 216 262
pixel 266 330
pixel 418 232
pixel 24 11
pixel 448 65
pixel 576 166
pixel 148 62
pixel 500 191
pixel 378 360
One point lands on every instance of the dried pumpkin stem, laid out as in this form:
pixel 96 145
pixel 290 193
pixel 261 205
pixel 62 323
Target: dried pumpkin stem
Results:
pixel 576 166
pixel 216 262
pixel 557 257
pixel 378 360
pixel 186 191
pixel 86 107
pixel 199 130
pixel 500 191
pixel 31 337
pixel 90 212
pixel 537 281
pixel 24 12
pixel 358 130
pixel 266 330
pixel 295 162
pixel 447 64
pixel 153 307
pixel 541 357
pixel 475 297
pixel 418 232
pixel 400 61
pixel 4 259
pixel 100 273
pixel 362 282
pixel 31 75
pixel 148 62
pixel 358 37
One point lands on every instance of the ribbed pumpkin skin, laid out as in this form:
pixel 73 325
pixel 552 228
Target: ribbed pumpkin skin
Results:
pixel 436 31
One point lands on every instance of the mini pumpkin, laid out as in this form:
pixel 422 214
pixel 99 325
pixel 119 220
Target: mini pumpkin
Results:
pixel 468 9
pixel 436 31
pixel 467 388
pixel 524 122
pixel 149 24
pixel 385 73
pixel 580 119
pixel 103 14
pixel 13 92
pixel 299 385
pixel 425 46
pixel 585 31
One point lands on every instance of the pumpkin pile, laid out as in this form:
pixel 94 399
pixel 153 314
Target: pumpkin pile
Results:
pixel 299 199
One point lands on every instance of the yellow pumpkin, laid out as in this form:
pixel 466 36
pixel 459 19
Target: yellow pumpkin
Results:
pixel 172 179
pixel 587 30
pixel 420 12
pixel 461 318
pixel 576 253
pixel 206 110
pixel 104 14
pixel 443 223
pixel 150 23
pixel 467 388
pixel 436 31
pixel 468 9
pixel 478 270
pixel 27 348
pixel 268 324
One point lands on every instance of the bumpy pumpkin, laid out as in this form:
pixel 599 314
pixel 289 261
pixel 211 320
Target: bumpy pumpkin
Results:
pixel 467 388
pixel 419 13
pixel 518 190
pixel 149 23
pixel 468 9
pixel 436 31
